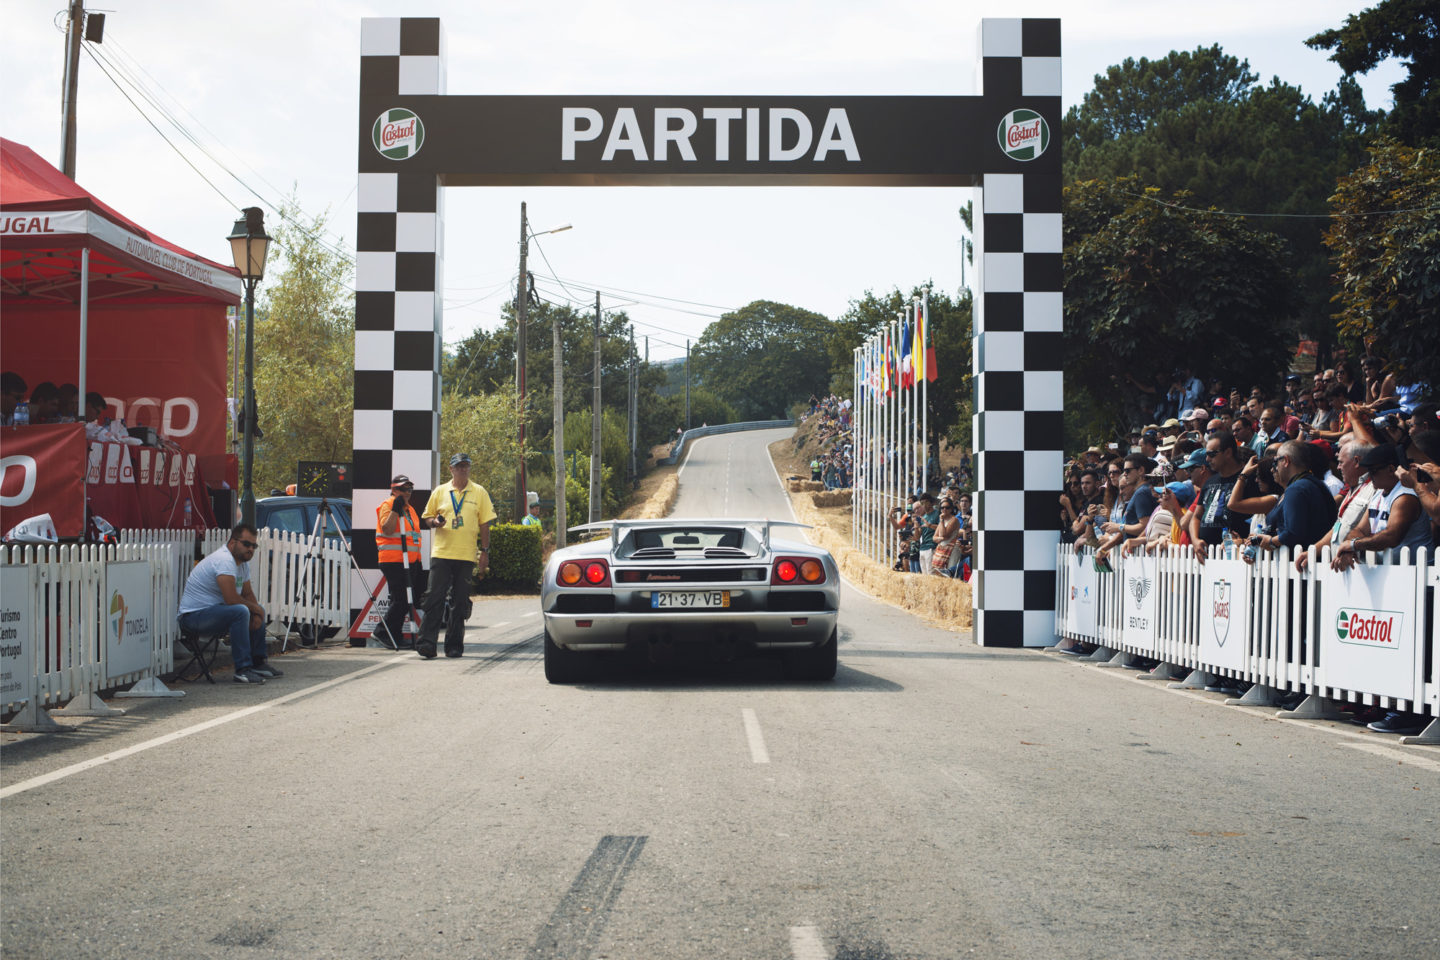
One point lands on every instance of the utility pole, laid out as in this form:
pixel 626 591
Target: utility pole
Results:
pixel 687 384
pixel 559 433
pixel 70 87
pixel 521 306
pixel 634 400
pixel 595 424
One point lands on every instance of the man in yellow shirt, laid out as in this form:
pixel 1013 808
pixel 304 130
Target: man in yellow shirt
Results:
pixel 460 513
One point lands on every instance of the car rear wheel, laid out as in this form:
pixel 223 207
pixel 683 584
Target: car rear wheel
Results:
pixel 561 665
pixel 817 663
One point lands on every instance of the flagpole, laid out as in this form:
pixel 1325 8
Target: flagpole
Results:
pixel 925 402
pixel 857 399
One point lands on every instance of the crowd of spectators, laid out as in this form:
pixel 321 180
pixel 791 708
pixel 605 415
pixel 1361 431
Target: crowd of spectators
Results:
pixel 1347 462
pixel 834 463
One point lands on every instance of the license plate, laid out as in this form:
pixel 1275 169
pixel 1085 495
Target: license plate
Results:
pixel 677 599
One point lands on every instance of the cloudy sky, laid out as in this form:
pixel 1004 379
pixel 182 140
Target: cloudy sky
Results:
pixel 269 89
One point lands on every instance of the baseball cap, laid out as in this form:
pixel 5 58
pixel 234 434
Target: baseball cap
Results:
pixel 459 458
pixel 1195 459
pixel 1384 455
pixel 1172 422
pixel 1184 491
pixel 400 480
pixel 1198 414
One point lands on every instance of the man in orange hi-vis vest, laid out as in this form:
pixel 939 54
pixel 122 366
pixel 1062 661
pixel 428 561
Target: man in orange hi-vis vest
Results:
pixel 397 538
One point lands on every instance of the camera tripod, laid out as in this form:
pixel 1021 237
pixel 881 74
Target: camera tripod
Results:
pixel 307 578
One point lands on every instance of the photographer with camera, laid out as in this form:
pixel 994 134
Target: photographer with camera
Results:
pixel 397 540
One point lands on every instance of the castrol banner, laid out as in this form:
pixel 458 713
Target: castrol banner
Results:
pixel 1368 620
pixel 42 470
pixel 158 365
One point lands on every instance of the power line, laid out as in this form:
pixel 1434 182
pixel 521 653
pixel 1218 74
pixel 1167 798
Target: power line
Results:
pixel 1287 216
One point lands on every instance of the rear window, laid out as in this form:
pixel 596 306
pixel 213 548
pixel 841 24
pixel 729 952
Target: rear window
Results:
pixel 687 538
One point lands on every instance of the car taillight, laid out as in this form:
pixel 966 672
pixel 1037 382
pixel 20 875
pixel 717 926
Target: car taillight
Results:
pixel 797 570
pixel 593 573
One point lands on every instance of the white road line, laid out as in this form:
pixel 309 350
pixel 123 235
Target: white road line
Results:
pixel 502 623
pixel 1402 757
pixel 805 944
pixel 84 765
pixel 532 613
pixel 756 738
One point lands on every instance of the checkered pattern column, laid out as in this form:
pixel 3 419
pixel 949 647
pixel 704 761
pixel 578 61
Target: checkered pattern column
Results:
pixel 1019 395
pixel 399 234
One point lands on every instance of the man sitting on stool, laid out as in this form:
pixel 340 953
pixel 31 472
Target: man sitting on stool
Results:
pixel 218 598
pixel 397 538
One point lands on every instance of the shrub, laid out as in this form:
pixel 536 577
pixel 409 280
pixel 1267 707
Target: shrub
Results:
pixel 515 559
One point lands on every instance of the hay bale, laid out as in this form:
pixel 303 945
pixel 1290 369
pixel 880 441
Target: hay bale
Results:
pixel 831 498
pixel 940 599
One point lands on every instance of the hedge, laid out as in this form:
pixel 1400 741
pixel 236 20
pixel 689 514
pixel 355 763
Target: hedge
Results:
pixel 515 563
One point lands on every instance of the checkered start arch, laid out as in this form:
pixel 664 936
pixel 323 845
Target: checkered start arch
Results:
pixel 414 140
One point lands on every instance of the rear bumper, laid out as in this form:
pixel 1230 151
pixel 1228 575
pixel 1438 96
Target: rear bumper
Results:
pixel 765 630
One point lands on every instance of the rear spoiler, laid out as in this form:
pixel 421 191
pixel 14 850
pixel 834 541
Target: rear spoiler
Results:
pixel 615 527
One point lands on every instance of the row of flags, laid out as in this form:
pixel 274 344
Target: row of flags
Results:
pixel 903 367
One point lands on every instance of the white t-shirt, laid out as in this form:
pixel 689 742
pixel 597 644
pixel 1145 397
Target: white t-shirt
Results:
pixel 1383 504
pixel 202 591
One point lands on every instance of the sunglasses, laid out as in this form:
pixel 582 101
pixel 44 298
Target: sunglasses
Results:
pixel 248 543
pixel 1113 473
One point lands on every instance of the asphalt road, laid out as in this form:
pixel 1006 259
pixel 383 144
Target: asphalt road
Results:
pixel 936 800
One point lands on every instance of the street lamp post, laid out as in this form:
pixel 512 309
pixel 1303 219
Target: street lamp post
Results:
pixel 248 246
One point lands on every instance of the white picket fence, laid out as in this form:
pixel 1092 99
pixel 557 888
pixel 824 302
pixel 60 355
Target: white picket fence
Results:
pixel 60 605
pixel 1286 637
pixel 56 611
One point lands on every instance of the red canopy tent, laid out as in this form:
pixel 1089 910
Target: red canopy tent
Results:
pixel 89 297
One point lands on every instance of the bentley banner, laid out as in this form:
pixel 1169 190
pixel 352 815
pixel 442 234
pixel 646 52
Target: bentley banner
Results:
pixel 1139 601
pixel 1224 613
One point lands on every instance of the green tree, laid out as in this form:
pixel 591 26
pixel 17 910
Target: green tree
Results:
pixel 1151 284
pixel 1389 264
pixel 1198 122
pixel 949 334
pixel 1409 29
pixel 762 357
pixel 482 426
pixel 304 354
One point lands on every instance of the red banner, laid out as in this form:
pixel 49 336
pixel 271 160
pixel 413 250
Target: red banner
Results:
pixel 131 486
pixel 157 365
pixel 42 470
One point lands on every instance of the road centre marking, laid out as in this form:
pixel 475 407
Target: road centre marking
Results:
pixel 502 623
pixel 758 752
pixel 84 765
pixel 805 944
pixel 532 613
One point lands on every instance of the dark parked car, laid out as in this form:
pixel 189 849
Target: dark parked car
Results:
pixel 297 515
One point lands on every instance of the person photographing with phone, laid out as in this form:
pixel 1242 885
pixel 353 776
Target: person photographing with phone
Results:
pixel 460 513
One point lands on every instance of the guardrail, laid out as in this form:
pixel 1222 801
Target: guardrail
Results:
pixel 1367 635
pixel 696 433
pixel 75 617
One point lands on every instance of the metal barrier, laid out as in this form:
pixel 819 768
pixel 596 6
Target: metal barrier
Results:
pixel 70 614
pixel 697 432
pixel 1369 635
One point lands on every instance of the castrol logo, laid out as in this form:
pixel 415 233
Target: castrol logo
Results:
pixel 1023 134
pixel 1369 628
pixel 398 134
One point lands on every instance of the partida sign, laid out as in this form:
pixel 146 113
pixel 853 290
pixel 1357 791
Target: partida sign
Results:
pixel 900 140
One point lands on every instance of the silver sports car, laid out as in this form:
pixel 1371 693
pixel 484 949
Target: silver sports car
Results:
pixel 662 587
